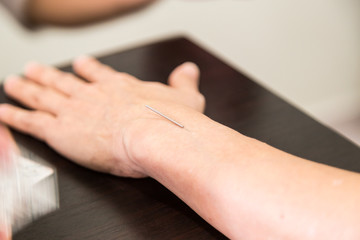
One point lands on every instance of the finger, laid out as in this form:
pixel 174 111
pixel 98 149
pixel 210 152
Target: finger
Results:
pixel 92 70
pixel 5 233
pixel 185 77
pixel 65 83
pixel 35 123
pixel 34 95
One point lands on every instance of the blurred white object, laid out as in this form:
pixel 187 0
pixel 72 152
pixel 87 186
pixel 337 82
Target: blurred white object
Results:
pixel 28 190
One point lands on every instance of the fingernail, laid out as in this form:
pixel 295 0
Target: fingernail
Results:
pixel 32 67
pixel 83 58
pixel 10 79
pixel 190 69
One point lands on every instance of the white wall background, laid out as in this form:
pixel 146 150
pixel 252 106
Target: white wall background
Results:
pixel 306 51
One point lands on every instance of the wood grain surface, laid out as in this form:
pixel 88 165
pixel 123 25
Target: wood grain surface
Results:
pixel 99 206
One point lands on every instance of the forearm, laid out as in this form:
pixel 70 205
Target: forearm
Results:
pixel 243 187
pixel 77 11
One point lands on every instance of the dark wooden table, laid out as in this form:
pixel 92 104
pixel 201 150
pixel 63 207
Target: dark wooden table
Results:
pixel 99 206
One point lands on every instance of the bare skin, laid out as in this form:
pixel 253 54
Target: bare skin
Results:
pixel 243 187
pixel 66 12
pixel 5 233
pixel 7 145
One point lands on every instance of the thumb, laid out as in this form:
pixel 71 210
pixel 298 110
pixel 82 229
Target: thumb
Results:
pixel 185 77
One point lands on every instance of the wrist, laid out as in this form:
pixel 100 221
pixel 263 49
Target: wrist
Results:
pixel 155 144
pixel 151 136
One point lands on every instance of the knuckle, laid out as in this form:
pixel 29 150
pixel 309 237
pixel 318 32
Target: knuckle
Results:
pixel 97 75
pixel 107 68
pixel 56 73
pixel 37 99
pixel 35 127
pixel 201 98
pixel 201 101
pixel 50 74
pixel 63 79
pixel 56 84
pixel 25 122
pixel 155 85
pixel 65 75
pixel 122 75
pixel 91 71
pixel 125 76
pixel 90 89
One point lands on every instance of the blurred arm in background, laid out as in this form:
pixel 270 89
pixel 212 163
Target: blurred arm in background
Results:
pixel 69 12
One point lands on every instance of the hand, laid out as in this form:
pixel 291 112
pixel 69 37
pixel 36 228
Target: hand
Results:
pixel 87 121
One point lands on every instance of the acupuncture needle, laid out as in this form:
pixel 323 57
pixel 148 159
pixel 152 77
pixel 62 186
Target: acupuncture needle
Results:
pixel 171 120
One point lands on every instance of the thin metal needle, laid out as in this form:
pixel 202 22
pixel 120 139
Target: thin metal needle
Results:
pixel 171 120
